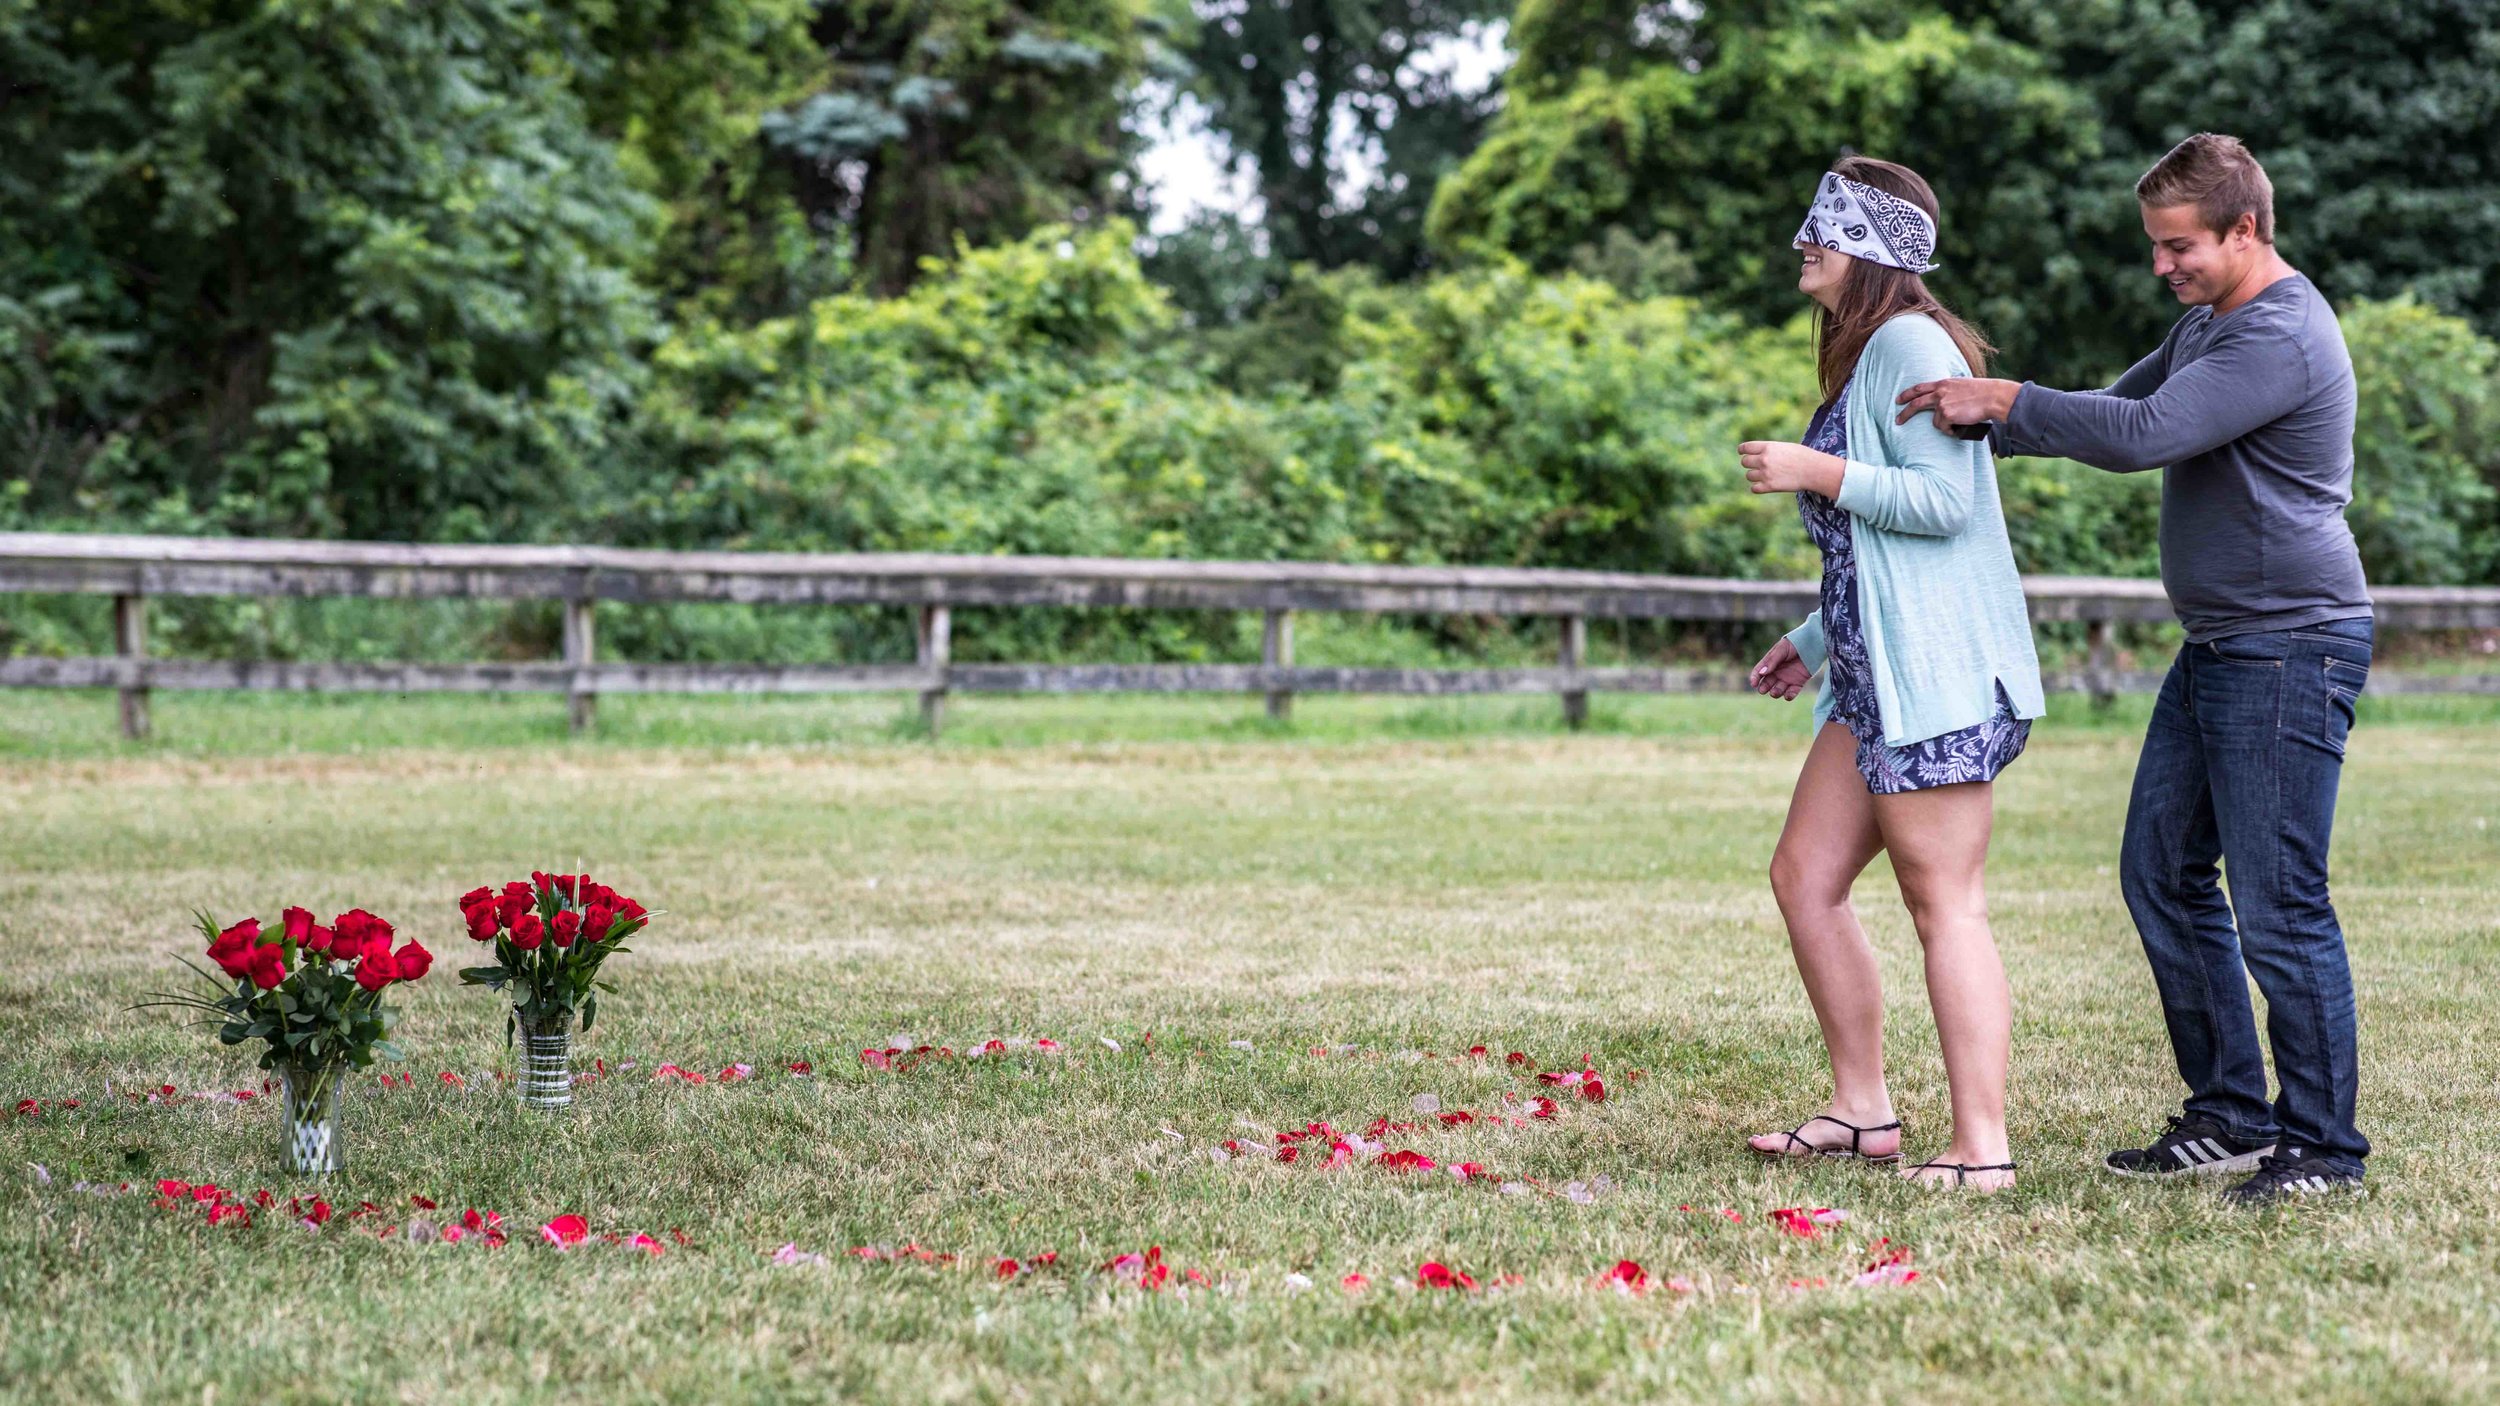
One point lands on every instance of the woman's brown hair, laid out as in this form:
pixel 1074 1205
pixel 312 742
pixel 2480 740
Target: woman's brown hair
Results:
pixel 1875 294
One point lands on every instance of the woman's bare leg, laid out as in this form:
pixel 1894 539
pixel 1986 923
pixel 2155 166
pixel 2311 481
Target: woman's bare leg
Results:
pixel 1939 844
pixel 1830 837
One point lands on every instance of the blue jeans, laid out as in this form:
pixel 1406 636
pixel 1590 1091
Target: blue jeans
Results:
pixel 2240 767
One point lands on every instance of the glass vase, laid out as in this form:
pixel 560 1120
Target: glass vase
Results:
pixel 313 1146
pixel 546 1061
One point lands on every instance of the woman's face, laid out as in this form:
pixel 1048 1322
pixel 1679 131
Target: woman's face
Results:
pixel 1821 275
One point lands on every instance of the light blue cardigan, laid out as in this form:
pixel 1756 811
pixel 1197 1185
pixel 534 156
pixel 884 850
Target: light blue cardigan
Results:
pixel 1937 590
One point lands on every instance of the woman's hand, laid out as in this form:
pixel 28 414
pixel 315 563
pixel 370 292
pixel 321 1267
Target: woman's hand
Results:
pixel 1775 467
pixel 1782 674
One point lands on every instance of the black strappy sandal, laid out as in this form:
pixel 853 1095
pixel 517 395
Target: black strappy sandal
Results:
pixel 1961 1173
pixel 1851 1153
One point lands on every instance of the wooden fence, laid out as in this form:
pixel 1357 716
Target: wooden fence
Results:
pixel 131 569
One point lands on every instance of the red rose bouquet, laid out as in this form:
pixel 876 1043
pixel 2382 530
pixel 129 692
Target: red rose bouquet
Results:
pixel 313 996
pixel 550 935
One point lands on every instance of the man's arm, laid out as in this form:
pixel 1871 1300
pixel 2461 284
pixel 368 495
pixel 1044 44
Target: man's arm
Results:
pixel 1959 403
pixel 2138 382
pixel 2247 379
pixel 2142 379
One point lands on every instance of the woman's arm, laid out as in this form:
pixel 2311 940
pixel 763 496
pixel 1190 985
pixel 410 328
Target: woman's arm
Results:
pixel 1923 485
pixel 1808 639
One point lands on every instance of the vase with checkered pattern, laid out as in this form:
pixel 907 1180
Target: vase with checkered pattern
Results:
pixel 313 1146
pixel 546 1061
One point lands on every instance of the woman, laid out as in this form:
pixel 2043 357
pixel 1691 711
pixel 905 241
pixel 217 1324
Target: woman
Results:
pixel 1931 685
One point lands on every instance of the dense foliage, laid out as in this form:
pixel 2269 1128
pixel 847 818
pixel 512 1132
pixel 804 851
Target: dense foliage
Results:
pixel 311 268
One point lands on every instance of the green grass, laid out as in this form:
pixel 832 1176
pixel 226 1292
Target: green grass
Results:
pixel 1421 878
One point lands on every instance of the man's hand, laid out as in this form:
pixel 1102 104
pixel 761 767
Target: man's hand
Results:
pixel 1774 467
pixel 1962 400
pixel 1781 674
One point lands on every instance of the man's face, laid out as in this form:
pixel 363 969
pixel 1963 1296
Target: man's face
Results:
pixel 2200 266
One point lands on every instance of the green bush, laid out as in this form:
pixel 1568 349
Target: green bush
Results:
pixel 2426 445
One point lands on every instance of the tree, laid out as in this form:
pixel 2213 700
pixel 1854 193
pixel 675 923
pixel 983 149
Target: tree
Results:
pixel 318 267
pixel 1347 125
pixel 2378 123
pixel 959 120
pixel 683 87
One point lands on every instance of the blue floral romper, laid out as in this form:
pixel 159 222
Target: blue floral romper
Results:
pixel 1975 753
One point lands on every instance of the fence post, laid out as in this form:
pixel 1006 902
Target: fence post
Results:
pixel 130 641
pixel 2100 664
pixel 936 648
pixel 579 645
pixel 1276 652
pixel 1575 650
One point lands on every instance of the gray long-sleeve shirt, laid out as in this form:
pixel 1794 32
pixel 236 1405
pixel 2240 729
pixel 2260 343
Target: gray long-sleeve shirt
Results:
pixel 2252 413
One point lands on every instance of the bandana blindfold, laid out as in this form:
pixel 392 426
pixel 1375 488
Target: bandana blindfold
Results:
pixel 1866 223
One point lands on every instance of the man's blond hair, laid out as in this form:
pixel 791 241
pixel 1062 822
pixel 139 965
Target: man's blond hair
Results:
pixel 2215 174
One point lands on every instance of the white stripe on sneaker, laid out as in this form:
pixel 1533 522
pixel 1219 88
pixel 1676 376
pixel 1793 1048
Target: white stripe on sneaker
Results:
pixel 2216 1149
pixel 2186 1153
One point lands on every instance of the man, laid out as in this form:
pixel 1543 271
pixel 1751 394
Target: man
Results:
pixel 2249 404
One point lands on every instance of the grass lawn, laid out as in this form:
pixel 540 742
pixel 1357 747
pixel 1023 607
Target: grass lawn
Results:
pixel 1394 877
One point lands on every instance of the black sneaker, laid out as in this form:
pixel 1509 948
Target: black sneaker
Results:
pixel 2296 1172
pixel 2194 1146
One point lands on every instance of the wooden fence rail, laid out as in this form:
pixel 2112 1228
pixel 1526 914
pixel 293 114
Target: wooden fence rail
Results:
pixel 132 569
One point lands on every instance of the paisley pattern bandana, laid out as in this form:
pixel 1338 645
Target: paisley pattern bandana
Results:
pixel 1866 223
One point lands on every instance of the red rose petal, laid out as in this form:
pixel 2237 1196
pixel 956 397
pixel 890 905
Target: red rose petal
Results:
pixel 1432 1274
pixel 1806 1224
